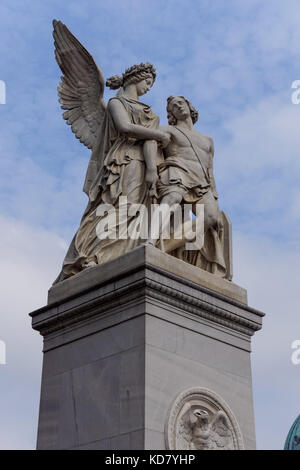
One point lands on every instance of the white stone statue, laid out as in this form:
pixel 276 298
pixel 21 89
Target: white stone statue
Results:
pixel 134 163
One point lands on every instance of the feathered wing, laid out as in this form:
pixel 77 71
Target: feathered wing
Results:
pixel 184 435
pixel 81 88
pixel 221 433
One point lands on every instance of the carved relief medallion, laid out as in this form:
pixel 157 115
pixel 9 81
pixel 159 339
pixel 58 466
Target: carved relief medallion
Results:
pixel 199 419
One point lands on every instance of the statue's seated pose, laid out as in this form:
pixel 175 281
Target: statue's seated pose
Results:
pixel 186 176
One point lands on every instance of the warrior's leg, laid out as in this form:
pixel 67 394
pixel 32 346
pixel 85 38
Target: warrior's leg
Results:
pixel 211 211
pixel 161 216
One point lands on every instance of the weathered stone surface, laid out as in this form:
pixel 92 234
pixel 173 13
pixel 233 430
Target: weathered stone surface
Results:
pixel 123 343
pixel 200 419
pixel 142 257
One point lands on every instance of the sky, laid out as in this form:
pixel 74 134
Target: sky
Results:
pixel 236 62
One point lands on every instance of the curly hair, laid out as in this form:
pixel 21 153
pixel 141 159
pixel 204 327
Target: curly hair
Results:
pixel 172 119
pixel 133 75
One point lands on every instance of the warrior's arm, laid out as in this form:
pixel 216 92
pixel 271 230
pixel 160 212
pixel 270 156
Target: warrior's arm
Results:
pixel 150 154
pixel 169 131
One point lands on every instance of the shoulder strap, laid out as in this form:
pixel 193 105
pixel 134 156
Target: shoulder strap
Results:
pixel 192 145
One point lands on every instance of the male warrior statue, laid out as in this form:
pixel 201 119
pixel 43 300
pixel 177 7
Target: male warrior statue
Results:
pixel 186 176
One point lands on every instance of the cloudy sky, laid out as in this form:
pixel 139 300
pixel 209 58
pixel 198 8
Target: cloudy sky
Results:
pixel 235 61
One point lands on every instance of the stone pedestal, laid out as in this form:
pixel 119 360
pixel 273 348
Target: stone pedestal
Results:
pixel 124 340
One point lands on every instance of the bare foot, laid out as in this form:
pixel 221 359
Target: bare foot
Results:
pixel 90 264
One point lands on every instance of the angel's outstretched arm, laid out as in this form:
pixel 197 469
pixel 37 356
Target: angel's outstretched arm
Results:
pixel 125 127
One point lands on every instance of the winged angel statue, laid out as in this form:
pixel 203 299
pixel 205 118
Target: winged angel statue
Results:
pixel 132 163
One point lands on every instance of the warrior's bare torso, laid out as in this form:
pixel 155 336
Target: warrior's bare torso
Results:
pixel 183 139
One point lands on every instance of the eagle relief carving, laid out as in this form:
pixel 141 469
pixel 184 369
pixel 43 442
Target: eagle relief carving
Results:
pixel 202 432
pixel 199 419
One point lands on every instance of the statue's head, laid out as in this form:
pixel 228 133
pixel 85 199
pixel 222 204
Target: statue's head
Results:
pixel 199 416
pixel 179 108
pixel 142 75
